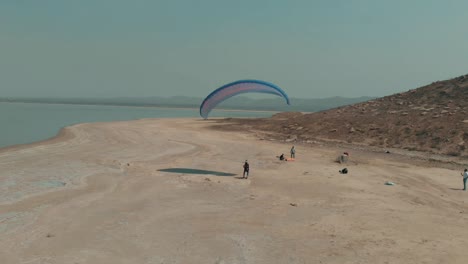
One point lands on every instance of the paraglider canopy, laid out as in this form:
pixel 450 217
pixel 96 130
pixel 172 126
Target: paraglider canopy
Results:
pixel 231 89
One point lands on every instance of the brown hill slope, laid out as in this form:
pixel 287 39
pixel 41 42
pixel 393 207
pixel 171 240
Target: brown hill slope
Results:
pixel 433 118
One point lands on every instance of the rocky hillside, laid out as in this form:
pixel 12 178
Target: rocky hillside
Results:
pixel 433 118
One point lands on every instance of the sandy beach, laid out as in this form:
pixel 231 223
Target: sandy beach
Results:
pixel 169 191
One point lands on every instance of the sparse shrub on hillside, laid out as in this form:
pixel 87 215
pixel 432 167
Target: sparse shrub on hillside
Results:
pixel 411 148
pixel 423 133
pixel 453 153
pixel 465 136
pixel 435 145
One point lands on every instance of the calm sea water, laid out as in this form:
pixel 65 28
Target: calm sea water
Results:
pixel 22 123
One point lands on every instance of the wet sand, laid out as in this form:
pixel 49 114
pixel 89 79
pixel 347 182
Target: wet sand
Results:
pixel 169 191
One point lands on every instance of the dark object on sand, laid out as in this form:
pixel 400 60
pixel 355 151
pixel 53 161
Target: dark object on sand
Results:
pixel 344 171
pixel 281 157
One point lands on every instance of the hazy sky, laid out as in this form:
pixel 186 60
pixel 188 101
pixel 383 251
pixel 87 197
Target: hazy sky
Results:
pixel 106 48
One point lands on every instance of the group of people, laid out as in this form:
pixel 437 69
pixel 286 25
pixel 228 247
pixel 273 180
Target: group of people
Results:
pixel 246 165
pixel 292 152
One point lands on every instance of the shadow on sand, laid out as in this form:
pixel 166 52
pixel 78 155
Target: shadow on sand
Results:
pixel 196 171
pixel 456 189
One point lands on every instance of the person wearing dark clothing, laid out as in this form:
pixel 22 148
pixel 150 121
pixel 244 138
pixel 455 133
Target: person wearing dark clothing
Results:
pixel 281 157
pixel 293 152
pixel 246 170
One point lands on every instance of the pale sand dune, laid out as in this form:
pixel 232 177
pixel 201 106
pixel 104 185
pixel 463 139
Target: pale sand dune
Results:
pixel 117 207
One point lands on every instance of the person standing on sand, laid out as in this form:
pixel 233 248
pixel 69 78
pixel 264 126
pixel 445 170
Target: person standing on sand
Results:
pixel 293 152
pixel 246 170
pixel 465 178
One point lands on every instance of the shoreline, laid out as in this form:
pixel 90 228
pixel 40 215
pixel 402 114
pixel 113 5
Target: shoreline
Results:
pixel 148 106
pixel 67 124
pixel 146 190
pixel 63 134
